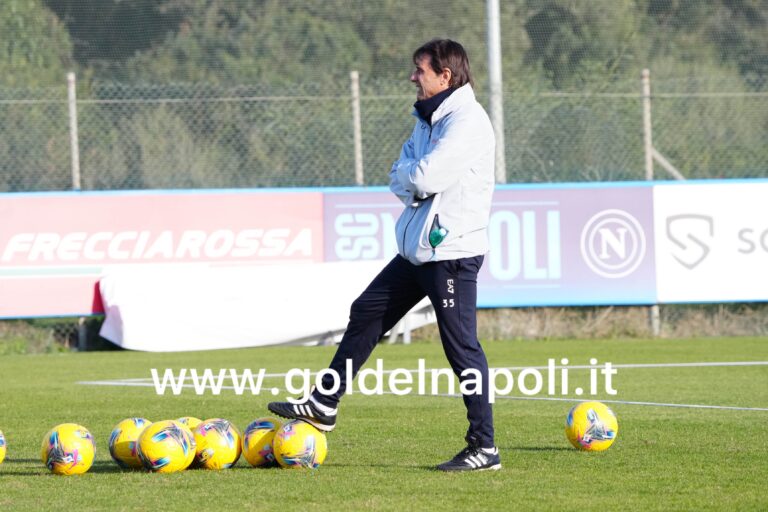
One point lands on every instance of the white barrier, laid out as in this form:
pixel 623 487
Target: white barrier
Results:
pixel 203 307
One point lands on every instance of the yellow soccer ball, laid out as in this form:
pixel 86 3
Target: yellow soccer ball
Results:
pixel 190 421
pixel 68 449
pixel 297 444
pixel 166 447
pixel 124 442
pixel 257 441
pixel 2 447
pixel 591 426
pixel 218 444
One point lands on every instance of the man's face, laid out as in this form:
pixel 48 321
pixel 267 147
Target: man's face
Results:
pixel 428 83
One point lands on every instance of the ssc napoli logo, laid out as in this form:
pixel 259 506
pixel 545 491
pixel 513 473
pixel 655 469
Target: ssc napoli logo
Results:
pixel 613 244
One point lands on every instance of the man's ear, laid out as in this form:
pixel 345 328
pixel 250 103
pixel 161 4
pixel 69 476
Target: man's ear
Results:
pixel 447 76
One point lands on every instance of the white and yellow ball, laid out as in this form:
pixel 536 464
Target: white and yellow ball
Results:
pixel 297 444
pixel 166 447
pixel 68 449
pixel 591 426
pixel 2 447
pixel 257 441
pixel 124 442
pixel 218 444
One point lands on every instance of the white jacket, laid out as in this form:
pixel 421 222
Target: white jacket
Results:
pixel 446 170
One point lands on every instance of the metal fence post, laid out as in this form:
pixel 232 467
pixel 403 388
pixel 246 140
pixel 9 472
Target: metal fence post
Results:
pixel 73 138
pixel 654 315
pixel 354 77
pixel 82 334
pixel 494 77
pixel 74 144
pixel 647 131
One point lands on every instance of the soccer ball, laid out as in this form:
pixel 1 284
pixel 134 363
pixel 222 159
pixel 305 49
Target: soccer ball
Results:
pixel 68 449
pixel 591 426
pixel 2 447
pixel 218 444
pixel 190 421
pixel 298 444
pixel 166 447
pixel 124 442
pixel 257 441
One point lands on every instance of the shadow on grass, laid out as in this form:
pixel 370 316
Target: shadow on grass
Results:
pixel 537 449
pixel 390 466
pixel 432 468
pixel 97 467
pixel 109 467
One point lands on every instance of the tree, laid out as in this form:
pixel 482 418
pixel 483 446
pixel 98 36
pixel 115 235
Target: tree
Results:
pixel 731 31
pixel 265 42
pixel 578 44
pixel 35 54
pixel 108 32
pixel 35 49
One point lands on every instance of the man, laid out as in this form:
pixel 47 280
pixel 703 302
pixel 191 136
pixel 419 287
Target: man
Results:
pixel 445 178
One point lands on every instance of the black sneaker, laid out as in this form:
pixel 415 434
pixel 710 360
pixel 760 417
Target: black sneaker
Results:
pixel 473 458
pixel 308 410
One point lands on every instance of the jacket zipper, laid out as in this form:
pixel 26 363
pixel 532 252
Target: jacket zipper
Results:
pixel 405 230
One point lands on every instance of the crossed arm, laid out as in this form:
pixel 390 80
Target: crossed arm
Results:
pixel 413 179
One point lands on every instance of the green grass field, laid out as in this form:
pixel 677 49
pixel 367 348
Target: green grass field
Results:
pixel 383 449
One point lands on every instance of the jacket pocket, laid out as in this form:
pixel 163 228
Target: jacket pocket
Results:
pixel 413 230
pixel 425 223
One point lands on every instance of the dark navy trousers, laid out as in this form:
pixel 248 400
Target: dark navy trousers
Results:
pixel 452 288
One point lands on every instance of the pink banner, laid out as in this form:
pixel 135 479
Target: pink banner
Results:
pixel 54 247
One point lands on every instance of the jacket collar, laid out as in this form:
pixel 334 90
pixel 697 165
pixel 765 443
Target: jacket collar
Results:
pixel 461 96
pixel 425 108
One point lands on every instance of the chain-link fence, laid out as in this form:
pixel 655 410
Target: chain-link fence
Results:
pixel 197 136
pixel 50 335
pixel 34 140
pixel 242 93
pixel 207 137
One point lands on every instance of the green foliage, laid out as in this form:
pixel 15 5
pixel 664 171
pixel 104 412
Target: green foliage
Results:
pixel 34 142
pixel 35 48
pixel 221 43
pixel 730 31
pixel 574 141
pixel 256 93
pixel 35 53
pixel 37 336
pixel 107 32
